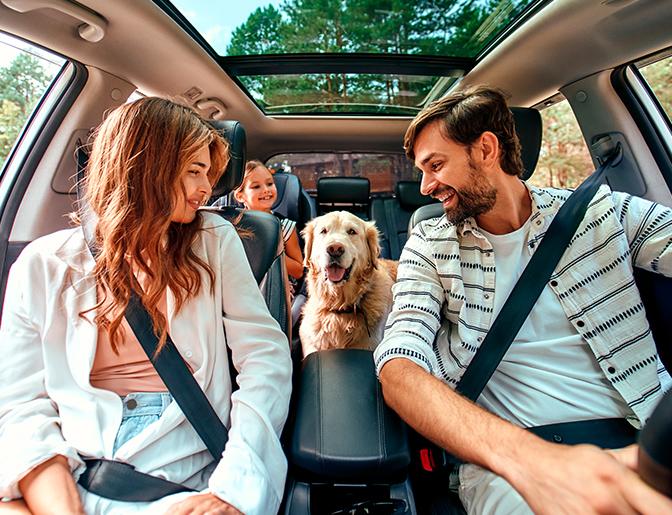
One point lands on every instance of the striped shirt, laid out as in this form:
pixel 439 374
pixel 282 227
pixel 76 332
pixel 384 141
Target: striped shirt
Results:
pixel 444 295
pixel 288 227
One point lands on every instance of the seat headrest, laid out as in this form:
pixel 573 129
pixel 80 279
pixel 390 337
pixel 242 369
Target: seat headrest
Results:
pixel 529 128
pixel 346 190
pixel 409 196
pixel 289 191
pixel 234 133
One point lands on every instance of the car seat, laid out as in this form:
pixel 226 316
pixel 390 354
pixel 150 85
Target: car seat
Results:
pixel 344 194
pixel 392 215
pixel 263 244
pixel 293 201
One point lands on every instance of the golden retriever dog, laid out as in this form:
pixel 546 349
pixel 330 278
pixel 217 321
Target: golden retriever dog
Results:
pixel 349 287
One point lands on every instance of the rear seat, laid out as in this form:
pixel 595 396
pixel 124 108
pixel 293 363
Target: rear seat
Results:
pixel 393 214
pixel 293 201
pixel 344 194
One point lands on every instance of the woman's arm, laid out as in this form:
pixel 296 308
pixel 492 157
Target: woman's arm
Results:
pixel 50 489
pixel 30 422
pixel 294 256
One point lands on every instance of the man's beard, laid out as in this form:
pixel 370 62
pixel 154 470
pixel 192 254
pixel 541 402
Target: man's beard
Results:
pixel 476 199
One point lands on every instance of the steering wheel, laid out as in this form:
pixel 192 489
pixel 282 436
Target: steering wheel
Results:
pixel 655 451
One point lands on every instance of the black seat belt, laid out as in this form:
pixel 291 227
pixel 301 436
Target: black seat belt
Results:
pixel 116 480
pixel 531 283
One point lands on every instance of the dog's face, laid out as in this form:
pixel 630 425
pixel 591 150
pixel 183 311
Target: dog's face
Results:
pixel 340 245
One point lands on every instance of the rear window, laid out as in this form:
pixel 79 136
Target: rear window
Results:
pixel 383 170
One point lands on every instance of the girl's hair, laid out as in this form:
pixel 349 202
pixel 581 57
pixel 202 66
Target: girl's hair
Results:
pixel 252 164
pixel 134 180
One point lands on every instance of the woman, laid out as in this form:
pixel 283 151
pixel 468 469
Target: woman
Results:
pixel 75 382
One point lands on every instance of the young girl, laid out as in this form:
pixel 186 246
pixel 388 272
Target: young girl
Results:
pixel 258 192
pixel 74 381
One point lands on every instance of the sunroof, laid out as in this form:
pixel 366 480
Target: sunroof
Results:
pixel 288 55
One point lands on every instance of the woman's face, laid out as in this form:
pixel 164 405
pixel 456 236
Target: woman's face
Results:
pixel 259 192
pixel 196 183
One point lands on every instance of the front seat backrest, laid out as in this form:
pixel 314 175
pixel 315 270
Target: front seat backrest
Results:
pixel 263 244
pixel 344 193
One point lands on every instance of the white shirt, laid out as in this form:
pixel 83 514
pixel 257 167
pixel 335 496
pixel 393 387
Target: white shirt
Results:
pixel 548 374
pixel 48 407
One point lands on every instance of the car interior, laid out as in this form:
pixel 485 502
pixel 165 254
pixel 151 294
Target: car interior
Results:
pixel 329 121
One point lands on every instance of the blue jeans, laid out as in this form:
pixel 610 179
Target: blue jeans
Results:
pixel 140 410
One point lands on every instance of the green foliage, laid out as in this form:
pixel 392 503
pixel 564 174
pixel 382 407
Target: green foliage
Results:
pixel 435 27
pixel 22 84
pixel 11 122
pixel 659 77
pixel 564 160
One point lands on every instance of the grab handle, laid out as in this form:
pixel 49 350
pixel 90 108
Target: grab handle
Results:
pixel 92 29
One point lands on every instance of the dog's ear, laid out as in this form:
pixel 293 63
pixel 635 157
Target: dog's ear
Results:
pixel 373 242
pixel 307 234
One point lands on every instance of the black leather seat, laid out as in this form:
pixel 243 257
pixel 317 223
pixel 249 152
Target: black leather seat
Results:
pixel 264 247
pixel 344 194
pixel 293 200
pixel 392 215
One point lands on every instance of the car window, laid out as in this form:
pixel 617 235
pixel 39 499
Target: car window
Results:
pixel 25 74
pixel 659 77
pixel 383 170
pixel 564 159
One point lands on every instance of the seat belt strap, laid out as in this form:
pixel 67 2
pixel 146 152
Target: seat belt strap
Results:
pixel 531 283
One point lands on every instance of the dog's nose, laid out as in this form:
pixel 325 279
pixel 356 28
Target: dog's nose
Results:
pixel 335 250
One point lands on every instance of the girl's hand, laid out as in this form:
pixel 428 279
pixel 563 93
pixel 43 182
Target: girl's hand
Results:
pixel 202 504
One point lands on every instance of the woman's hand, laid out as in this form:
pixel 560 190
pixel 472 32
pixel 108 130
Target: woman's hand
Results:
pixel 202 504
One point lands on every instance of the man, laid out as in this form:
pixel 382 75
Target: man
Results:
pixel 584 353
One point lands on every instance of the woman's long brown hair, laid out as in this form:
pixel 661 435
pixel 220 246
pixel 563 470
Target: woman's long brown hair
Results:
pixel 134 179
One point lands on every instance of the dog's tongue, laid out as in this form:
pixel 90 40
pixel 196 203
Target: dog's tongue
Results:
pixel 335 273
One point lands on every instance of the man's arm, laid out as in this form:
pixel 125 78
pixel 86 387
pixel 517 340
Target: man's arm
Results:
pixel 552 478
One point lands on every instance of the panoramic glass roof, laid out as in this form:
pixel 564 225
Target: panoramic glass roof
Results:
pixel 384 57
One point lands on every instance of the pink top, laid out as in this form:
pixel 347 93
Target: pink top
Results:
pixel 130 371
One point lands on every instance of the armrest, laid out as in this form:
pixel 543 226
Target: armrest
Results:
pixel 343 428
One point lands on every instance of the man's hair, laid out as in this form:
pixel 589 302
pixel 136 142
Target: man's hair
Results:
pixel 467 114
pixel 139 156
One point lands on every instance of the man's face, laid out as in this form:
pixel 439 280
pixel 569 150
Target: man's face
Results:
pixel 451 175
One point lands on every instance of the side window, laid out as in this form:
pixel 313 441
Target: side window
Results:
pixel 659 77
pixel 25 74
pixel 564 160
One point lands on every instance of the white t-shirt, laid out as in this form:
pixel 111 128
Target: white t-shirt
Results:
pixel 549 374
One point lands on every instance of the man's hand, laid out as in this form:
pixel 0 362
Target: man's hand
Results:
pixel 585 479
pixel 202 504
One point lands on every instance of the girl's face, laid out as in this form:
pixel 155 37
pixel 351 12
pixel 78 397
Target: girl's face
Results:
pixel 196 183
pixel 259 192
